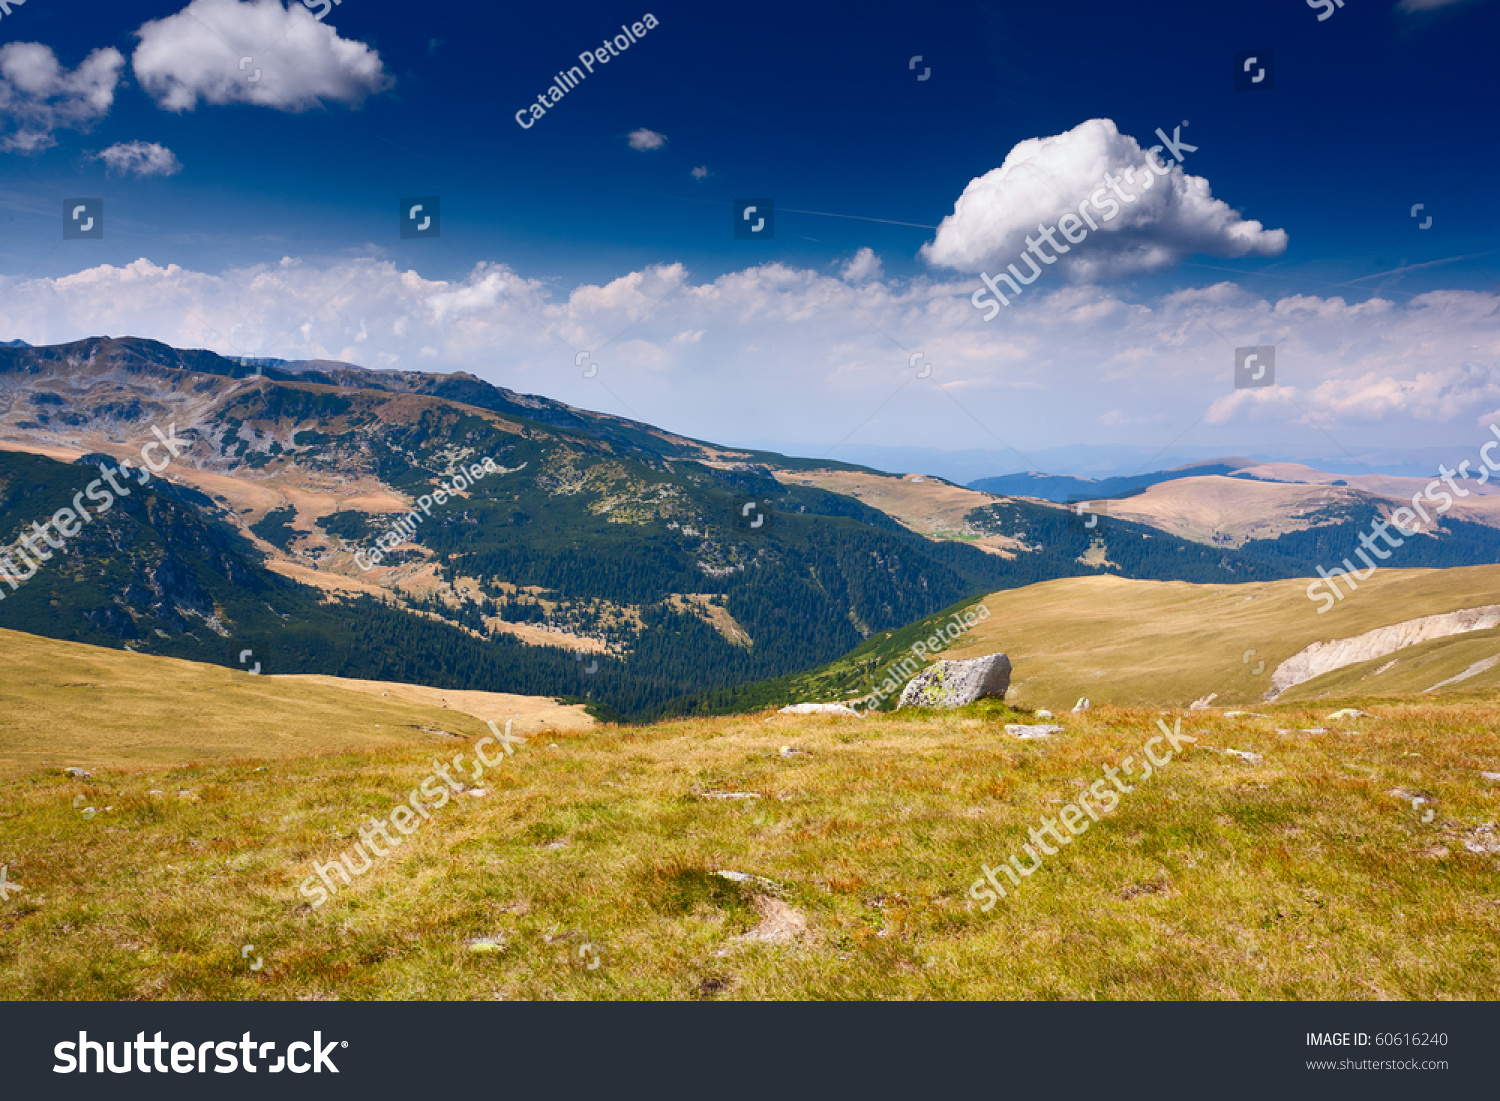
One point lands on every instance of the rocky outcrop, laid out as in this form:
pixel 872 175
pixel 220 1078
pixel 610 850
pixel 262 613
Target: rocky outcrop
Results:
pixel 958 683
pixel 1324 657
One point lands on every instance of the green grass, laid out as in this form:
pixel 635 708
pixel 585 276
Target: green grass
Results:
pixel 1295 876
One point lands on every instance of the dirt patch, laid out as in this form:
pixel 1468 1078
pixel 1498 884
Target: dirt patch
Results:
pixel 779 923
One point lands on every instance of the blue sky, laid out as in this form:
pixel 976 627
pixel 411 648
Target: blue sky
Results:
pixel 278 232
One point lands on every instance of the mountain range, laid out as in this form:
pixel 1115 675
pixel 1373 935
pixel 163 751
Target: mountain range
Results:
pixel 606 560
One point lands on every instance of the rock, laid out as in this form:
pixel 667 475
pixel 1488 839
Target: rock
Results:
pixel 79 774
pixel 730 795
pixel 1021 730
pixel 1350 713
pixel 747 880
pixel 1243 754
pixel 1082 705
pixel 792 751
pixel 1044 714
pixel 487 944
pixel 1203 703
pixel 1492 777
pixel 958 683
pixel 1240 714
pixel 819 709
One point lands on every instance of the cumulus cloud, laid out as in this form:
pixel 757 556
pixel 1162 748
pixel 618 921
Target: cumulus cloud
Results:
pixel 699 172
pixel 39 96
pixel 776 351
pixel 140 158
pixel 864 267
pixel 644 139
pixel 1169 218
pixel 294 61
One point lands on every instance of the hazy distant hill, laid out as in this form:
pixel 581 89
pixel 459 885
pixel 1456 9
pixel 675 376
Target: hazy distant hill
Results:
pixel 1059 487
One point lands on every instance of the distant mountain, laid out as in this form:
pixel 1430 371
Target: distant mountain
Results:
pixel 1056 487
pixel 604 558
pixel 666 565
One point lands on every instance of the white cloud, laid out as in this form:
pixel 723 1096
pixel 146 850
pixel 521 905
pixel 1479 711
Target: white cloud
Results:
pixel 141 159
pixel 39 96
pixel 864 267
pixel 1171 217
pixel 644 139
pixel 200 53
pixel 700 172
pixel 780 352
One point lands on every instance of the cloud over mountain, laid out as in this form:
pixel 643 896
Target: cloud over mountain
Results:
pixel 775 351
pixel 1169 218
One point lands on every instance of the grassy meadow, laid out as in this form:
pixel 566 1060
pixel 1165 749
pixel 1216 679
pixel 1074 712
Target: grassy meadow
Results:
pixel 588 866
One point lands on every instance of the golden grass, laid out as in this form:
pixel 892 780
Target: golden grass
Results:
pixel 66 704
pixel 1295 876
pixel 1138 643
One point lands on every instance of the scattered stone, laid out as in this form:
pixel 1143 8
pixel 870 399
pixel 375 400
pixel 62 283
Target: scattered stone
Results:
pixel 1482 840
pixel 792 751
pixel 79 774
pixel 729 795
pixel 1083 704
pixel 1022 730
pixel 1492 777
pixel 1044 714
pixel 487 944
pixel 958 683
pixel 1350 713
pixel 479 793
pixel 819 709
pixel 1244 755
pixel 1203 703
pixel 1242 714
pixel 747 879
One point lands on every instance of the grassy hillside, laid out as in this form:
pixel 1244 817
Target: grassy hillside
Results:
pixel 586 867
pixel 64 705
pixel 1168 643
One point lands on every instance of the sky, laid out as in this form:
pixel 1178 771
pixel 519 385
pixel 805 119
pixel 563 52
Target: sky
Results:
pixel 256 161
